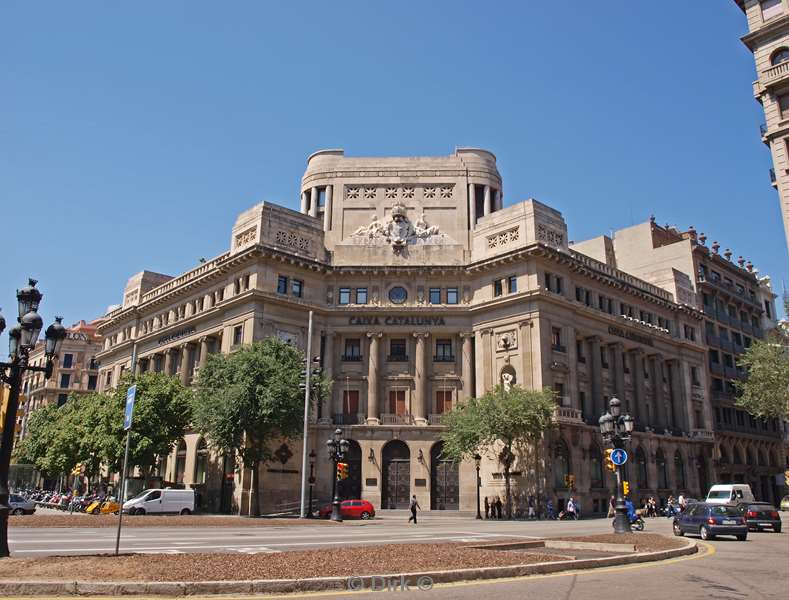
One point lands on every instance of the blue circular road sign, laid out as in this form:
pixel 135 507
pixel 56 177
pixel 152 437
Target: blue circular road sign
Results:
pixel 619 457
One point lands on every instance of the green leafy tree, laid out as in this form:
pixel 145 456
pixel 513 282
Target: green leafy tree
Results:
pixel 517 418
pixel 765 391
pixel 249 398
pixel 162 414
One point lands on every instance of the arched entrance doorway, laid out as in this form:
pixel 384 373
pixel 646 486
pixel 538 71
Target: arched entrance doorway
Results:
pixel 396 490
pixel 444 480
pixel 351 488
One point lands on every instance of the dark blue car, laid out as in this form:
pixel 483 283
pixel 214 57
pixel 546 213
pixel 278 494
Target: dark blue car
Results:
pixel 711 520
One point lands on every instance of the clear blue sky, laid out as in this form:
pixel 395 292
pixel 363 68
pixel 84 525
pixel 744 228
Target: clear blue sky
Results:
pixel 132 134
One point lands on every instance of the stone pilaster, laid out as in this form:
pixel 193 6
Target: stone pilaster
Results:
pixel 596 405
pixel 472 205
pixel 467 364
pixel 373 408
pixel 420 379
pixel 185 364
pixel 328 371
pixel 168 361
pixel 327 209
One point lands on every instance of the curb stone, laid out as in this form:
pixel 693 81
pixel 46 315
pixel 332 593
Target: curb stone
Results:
pixel 272 586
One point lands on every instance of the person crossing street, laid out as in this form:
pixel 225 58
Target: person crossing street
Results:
pixel 414 507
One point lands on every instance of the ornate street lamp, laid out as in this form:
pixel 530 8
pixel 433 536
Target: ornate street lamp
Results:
pixel 615 428
pixel 312 455
pixel 22 338
pixel 477 460
pixel 337 448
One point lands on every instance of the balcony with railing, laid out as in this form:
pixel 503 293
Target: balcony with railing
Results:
pixel 716 368
pixel 435 419
pixel 349 419
pixel 398 358
pixel 352 358
pixel 731 372
pixel 567 415
pixel 775 74
pixel 702 435
pixel 395 419
pixel 443 358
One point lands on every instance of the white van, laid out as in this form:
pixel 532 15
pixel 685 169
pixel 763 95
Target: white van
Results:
pixel 157 501
pixel 730 493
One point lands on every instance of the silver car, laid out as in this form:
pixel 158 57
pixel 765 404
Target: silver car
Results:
pixel 20 506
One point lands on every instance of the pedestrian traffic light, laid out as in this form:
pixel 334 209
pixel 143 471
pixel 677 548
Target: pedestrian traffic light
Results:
pixel 342 471
pixel 609 464
pixel 625 488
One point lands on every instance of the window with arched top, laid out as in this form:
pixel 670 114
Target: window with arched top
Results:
pixel 749 458
pixel 180 462
pixel 561 464
pixel 662 470
pixel 679 470
pixel 737 457
pixel 201 462
pixel 641 469
pixel 596 467
pixel 779 56
pixel 724 456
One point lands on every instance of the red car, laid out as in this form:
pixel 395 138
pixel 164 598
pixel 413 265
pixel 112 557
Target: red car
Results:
pixel 350 509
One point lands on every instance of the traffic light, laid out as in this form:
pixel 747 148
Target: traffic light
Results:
pixel 315 374
pixel 625 488
pixel 342 471
pixel 609 464
pixel 569 481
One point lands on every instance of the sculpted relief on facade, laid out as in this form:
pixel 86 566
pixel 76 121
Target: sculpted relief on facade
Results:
pixel 399 231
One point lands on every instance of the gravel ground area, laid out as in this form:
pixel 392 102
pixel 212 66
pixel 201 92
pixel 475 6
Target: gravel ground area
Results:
pixel 644 542
pixel 369 560
pixel 84 520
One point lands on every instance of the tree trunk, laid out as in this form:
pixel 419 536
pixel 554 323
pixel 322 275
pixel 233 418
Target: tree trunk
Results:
pixel 507 490
pixel 254 501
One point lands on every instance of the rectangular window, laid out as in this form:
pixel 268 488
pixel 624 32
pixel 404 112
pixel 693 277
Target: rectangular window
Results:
pixel 604 358
pixel 497 288
pixel 694 376
pixel 345 296
pixel 579 294
pixel 353 349
pixel 771 8
pixel 714 357
pixel 452 295
pixel 361 295
pixel 68 361
pixel 768 309
pixel 297 287
pixel 62 398
pixel 558 390
pixel 512 284
pixel 783 105
pixel 108 380
pixel 282 285
pixel 397 402
pixel 397 350
pixel 435 295
pixel 579 351
pixel 444 351
pixel 350 402
pixel 65 379
pixel 92 381
pixel 238 335
pixel 556 339
pixel 559 285
pixel 443 401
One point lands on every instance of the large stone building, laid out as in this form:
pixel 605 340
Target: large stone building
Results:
pixel 738 307
pixel 427 291
pixel 768 40
pixel 75 371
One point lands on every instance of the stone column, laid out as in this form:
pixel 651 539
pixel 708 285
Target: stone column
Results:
pixel 486 206
pixel 527 376
pixel 499 202
pixel 168 361
pixel 420 380
pixel 467 364
pixel 596 405
pixel 314 202
pixel 639 410
pixel 472 206
pixel 204 346
pixel 679 411
pixel 328 371
pixel 571 389
pixel 185 364
pixel 373 412
pixel 656 361
pixel 327 206
pixel 618 360
pixel 304 203
pixel 489 377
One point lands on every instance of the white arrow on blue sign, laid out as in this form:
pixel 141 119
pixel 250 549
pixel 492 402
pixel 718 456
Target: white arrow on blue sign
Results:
pixel 619 457
pixel 131 393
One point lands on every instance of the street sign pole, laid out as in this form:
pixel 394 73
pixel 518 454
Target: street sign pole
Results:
pixel 131 394
pixel 621 520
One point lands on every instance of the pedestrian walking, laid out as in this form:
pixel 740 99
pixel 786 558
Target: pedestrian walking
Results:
pixel 498 507
pixel 612 507
pixel 571 509
pixel 550 510
pixel 487 508
pixel 530 502
pixel 414 507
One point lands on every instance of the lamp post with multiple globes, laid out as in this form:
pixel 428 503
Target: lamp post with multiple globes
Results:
pixel 616 429
pixel 22 338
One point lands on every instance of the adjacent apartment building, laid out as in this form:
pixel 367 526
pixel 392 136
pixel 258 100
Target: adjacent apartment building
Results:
pixel 768 40
pixel 738 308
pixel 75 370
pixel 427 290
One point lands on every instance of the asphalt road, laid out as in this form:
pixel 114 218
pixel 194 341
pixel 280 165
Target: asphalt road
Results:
pixel 389 529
